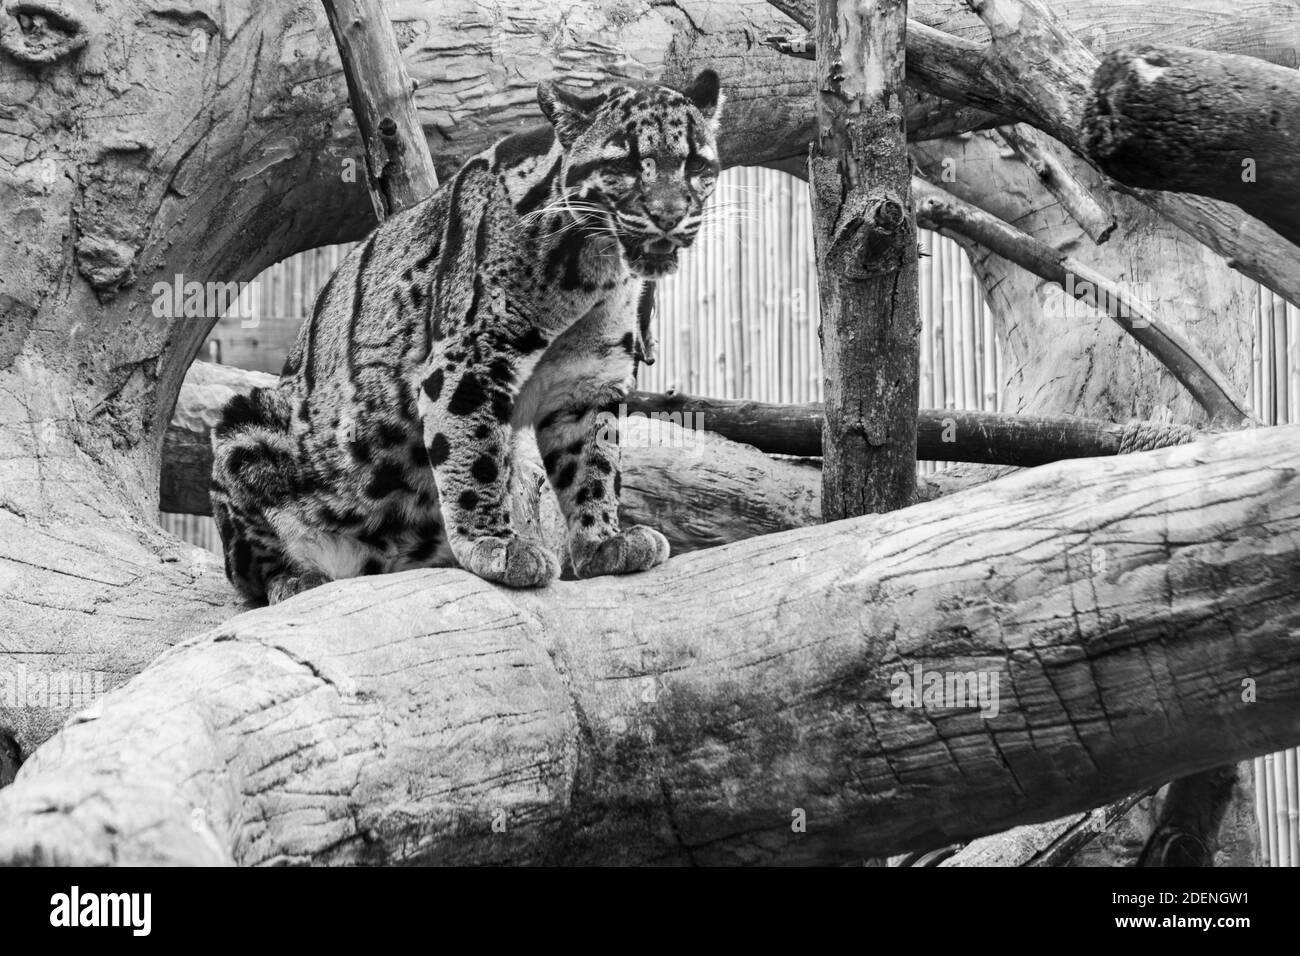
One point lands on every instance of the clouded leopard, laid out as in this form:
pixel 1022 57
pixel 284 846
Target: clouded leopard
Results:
pixel 506 300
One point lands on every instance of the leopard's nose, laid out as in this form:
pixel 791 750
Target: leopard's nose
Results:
pixel 666 215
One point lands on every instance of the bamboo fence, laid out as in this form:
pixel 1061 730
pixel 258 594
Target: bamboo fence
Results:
pixel 740 321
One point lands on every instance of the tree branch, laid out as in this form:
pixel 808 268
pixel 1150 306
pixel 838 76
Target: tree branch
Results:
pixel 1041 154
pixel 947 214
pixel 399 167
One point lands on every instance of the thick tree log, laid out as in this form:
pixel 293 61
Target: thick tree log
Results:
pixel 1214 124
pixel 1121 606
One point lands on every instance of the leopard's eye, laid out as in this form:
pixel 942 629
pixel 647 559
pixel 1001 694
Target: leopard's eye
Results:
pixel 695 166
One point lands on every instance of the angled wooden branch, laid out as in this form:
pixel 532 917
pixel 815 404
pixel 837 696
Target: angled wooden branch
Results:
pixel 1042 844
pixel 1042 154
pixel 991 438
pixel 399 168
pixel 947 214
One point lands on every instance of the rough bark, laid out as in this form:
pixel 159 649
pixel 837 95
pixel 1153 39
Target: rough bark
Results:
pixel 595 722
pixel 1040 72
pixel 865 234
pixel 1213 124
pixel 399 168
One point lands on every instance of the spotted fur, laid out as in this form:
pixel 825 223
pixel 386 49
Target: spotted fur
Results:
pixel 507 300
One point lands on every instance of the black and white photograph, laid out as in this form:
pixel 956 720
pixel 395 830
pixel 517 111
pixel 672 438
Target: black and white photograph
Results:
pixel 645 433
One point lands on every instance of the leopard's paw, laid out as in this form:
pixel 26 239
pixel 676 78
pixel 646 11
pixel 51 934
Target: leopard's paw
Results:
pixel 284 586
pixel 636 549
pixel 514 562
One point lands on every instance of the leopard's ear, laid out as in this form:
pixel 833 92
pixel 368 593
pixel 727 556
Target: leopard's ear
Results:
pixel 705 92
pixel 570 113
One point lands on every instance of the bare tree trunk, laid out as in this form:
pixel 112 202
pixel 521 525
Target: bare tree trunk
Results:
pixel 865 233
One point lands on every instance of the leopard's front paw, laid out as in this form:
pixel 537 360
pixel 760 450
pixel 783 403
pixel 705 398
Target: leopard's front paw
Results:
pixel 514 562
pixel 636 549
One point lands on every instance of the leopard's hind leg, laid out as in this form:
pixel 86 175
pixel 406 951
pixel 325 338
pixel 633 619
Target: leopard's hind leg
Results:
pixel 255 471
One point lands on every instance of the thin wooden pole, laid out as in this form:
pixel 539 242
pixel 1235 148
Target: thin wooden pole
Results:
pixel 399 168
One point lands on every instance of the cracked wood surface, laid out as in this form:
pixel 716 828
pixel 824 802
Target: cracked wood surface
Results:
pixel 685 714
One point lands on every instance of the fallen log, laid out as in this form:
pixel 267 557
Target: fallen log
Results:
pixel 737 705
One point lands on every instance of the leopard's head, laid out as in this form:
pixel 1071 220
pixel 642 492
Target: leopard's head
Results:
pixel 639 161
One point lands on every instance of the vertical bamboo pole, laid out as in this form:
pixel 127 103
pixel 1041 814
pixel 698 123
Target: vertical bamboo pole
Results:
pixel 1284 857
pixel 1257 356
pixel 1292 806
pixel 1270 794
pixel 1293 368
pixel 1281 380
pixel 1261 810
pixel 970 373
